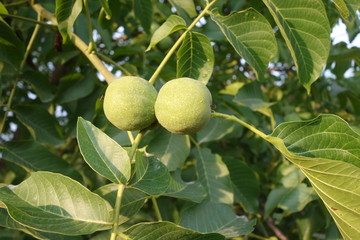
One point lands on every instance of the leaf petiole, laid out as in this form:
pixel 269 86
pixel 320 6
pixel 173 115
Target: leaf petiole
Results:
pixel 178 42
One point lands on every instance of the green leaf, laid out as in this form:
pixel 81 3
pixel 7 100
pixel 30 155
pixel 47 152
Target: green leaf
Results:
pixel 353 6
pixel 209 216
pixel 167 231
pixel 3 9
pixel 306 30
pixel 214 176
pixel 34 157
pixel 171 149
pixel 144 12
pixel 252 37
pixel 75 86
pixel 192 191
pixel 215 130
pixel 11 48
pixel 131 202
pixel 66 13
pixel 8 222
pixel 43 126
pixel 54 203
pixel 252 97
pixel 182 6
pixel 245 182
pixel 342 8
pixel 195 57
pixel 102 153
pixel 327 151
pixel 171 25
pixel 151 175
pixel 292 199
pixel 40 84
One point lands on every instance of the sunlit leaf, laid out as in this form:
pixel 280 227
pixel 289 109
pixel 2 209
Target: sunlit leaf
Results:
pixel 195 57
pixel 327 151
pixel 342 8
pixel 171 25
pixel 167 231
pixel 102 153
pixel 54 203
pixel 66 13
pixel 252 37
pixel 306 30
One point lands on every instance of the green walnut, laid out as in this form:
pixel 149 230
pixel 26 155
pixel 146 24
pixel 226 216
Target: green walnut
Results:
pixel 183 106
pixel 129 103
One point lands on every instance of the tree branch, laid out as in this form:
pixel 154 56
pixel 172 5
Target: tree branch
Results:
pixel 80 44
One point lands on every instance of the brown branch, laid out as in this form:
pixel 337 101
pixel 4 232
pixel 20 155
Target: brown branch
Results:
pixel 269 221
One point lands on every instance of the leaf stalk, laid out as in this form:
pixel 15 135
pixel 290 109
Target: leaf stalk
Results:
pixel 177 43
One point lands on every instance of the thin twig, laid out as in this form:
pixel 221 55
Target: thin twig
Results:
pixel 27 20
pixel 269 221
pixel 177 43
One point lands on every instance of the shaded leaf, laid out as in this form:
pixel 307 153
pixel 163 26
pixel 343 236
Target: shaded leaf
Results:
pixel 252 37
pixel 43 126
pixel 8 222
pixel 289 199
pixel 11 48
pixel 131 202
pixel 192 191
pixel 171 25
pixel 66 13
pixel 214 176
pixel 306 30
pixel 182 6
pixel 34 157
pixel 245 182
pixel 151 175
pixel 144 11
pixel 195 57
pixel 215 130
pixel 251 96
pixel 75 86
pixel 45 201
pixel 171 149
pixel 40 84
pixel 209 216
pixel 327 151
pixel 102 153
pixel 167 231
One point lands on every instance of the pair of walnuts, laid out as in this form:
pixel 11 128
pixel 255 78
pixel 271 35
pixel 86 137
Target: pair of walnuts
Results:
pixel 182 105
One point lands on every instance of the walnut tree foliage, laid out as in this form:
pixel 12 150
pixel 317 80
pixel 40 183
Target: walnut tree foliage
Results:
pixel 279 158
